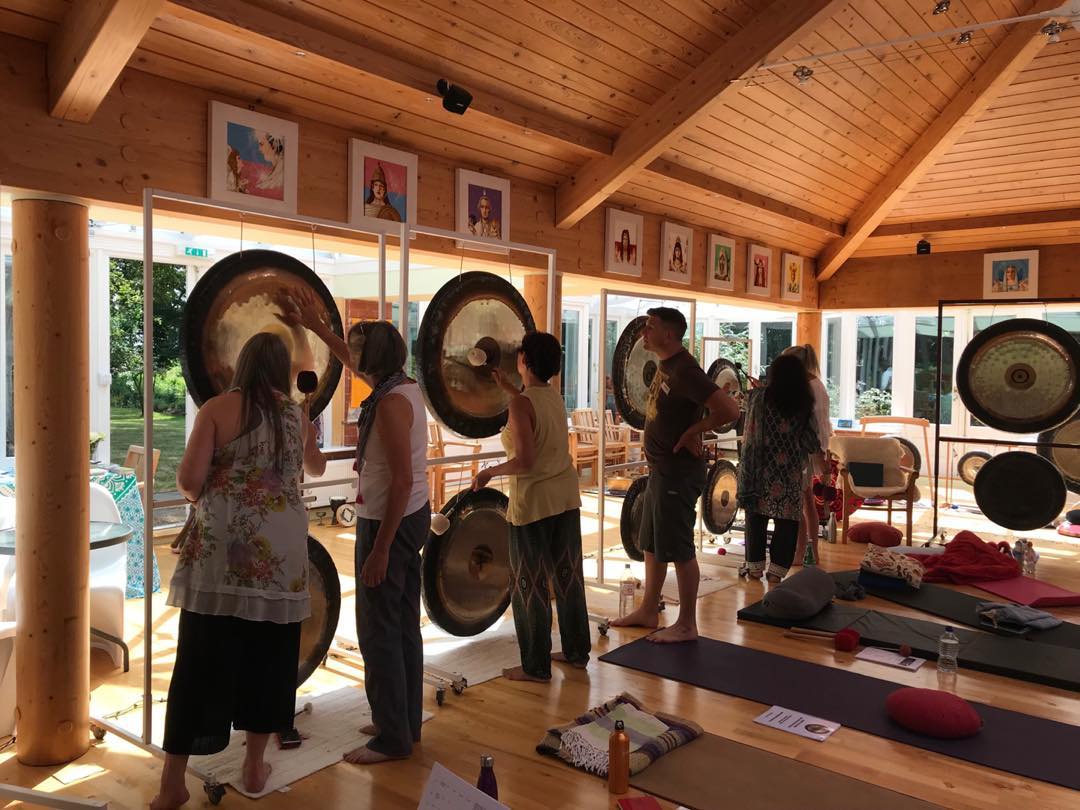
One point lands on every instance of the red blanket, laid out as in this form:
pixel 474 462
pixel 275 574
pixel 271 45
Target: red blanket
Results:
pixel 968 559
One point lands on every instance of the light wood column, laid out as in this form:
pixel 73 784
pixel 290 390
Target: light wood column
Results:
pixel 808 329
pixel 536 296
pixel 50 248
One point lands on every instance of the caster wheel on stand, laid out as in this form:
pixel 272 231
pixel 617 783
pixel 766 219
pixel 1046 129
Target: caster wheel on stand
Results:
pixel 214 792
pixel 97 731
pixel 603 628
pixel 458 688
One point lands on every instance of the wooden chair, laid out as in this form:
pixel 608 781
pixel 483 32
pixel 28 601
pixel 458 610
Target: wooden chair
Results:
pixel 136 453
pixel 584 455
pixel 462 473
pixel 898 482
pixel 626 435
pixel 586 423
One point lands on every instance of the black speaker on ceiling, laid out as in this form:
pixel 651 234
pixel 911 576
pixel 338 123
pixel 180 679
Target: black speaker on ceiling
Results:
pixel 454 99
pixel 922 248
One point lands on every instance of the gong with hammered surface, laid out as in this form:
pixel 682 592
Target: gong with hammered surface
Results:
pixel 632 370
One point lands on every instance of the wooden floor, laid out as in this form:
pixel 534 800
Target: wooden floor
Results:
pixel 508 719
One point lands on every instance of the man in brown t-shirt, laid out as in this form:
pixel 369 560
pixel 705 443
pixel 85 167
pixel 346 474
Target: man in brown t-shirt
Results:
pixel 679 395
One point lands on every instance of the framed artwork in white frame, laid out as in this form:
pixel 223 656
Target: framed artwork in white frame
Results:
pixel 483 206
pixel 758 269
pixel 1013 274
pixel 252 159
pixel 676 253
pixel 720 263
pixel 791 277
pixel 622 247
pixel 383 183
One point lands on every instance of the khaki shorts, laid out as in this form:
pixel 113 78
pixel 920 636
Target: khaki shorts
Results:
pixel 668 515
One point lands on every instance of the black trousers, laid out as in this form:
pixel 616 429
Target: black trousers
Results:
pixel 782 550
pixel 388 627
pixel 230 672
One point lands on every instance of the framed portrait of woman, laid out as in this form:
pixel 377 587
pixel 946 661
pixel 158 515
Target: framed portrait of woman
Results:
pixel 252 159
pixel 676 253
pixel 758 270
pixel 720 263
pixel 623 248
pixel 791 279
pixel 1011 275
pixel 483 207
pixel 382 184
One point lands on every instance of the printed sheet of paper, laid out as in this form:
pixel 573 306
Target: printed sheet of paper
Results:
pixel 795 722
pixel 890 658
pixel 446 790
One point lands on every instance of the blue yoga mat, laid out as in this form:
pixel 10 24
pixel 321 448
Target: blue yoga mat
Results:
pixel 1009 741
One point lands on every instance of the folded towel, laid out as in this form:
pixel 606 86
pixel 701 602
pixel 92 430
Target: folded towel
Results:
pixel 1001 613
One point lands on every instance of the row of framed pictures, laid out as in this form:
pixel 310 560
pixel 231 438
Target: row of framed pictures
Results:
pixel 253 161
pixel 623 256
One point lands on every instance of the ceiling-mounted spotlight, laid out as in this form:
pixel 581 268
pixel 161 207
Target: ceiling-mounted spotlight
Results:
pixel 965 38
pixel 454 99
pixel 1053 31
pixel 941 7
pixel 803 74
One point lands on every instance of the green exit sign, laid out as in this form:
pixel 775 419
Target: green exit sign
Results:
pixel 201 253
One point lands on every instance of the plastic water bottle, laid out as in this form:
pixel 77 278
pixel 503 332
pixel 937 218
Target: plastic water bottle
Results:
pixel 1031 559
pixel 486 783
pixel 948 651
pixel 627 586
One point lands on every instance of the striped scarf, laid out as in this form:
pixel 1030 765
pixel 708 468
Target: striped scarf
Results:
pixel 366 420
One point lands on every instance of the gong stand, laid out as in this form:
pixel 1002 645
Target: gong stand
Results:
pixel 948 441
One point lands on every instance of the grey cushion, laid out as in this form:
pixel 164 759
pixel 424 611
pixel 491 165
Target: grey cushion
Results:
pixel 1073 516
pixel 800 596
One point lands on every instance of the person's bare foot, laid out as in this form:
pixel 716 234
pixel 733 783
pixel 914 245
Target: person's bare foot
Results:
pixel 519 674
pixel 170 800
pixel 562 658
pixel 370 729
pixel 365 756
pixel 673 635
pixel 256 775
pixel 639 618
pixel 772 579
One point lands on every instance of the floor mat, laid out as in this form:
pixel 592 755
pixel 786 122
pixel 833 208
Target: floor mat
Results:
pixel 761 779
pixel 1009 741
pixel 1029 591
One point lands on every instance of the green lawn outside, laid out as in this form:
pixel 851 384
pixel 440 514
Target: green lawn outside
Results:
pixel 126 428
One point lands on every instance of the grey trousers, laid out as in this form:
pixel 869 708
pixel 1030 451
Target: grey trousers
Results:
pixel 388 626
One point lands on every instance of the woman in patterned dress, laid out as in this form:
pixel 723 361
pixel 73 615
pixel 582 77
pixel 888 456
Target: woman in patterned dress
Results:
pixel 780 434
pixel 241 580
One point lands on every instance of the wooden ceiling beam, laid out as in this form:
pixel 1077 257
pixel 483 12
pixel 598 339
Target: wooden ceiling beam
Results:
pixel 1062 216
pixel 1007 60
pixel 89 49
pixel 365 64
pixel 775 30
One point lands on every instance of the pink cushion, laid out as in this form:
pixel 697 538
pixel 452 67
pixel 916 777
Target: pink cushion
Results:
pixel 876 532
pixel 1069 529
pixel 933 713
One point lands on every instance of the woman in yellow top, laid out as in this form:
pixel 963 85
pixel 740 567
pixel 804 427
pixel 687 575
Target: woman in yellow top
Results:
pixel 544 515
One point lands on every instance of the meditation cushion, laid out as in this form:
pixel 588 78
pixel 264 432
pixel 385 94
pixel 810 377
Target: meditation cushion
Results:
pixel 891 564
pixel 1073 516
pixel 880 582
pixel 1069 529
pixel 876 532
pixel 933 713
pixel 800 596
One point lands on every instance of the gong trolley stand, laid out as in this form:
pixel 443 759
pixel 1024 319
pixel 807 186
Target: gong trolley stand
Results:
pixel 940 440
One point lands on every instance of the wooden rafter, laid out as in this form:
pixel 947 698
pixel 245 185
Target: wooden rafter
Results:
pixel 90 48
pixel 1007 60
pixel 776 29
pixel 1058 216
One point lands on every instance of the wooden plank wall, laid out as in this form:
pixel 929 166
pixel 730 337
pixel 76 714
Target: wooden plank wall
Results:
pixel 151 132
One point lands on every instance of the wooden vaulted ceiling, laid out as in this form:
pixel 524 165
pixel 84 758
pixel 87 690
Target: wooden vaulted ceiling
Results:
pixel 877 150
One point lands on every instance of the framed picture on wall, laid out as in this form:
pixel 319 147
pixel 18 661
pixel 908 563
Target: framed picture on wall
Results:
pixel 382 183
pixel 676 253
pixel 1011 275
pixel 791 280
pixel 720 263
pixel 622 247
pixel 483 206
pixel 758 270
pixel 252 159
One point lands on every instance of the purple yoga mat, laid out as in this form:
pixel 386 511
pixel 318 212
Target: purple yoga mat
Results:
pixel 1009 741
pixel 1028 591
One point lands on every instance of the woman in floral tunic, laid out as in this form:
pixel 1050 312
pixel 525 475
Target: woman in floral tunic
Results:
pixel 241 580
pixel 779 437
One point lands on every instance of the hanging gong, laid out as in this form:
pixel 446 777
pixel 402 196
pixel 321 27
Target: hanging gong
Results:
pixel 238 298
pixel 1020 376
pixel 1020 491
pixel 317 630
pixel 467 568
pixel 630 518
pixel 719 502
pixel 632 370
pixel 473 325
pixel 969 465
pixel 729 378
pixel 1066 459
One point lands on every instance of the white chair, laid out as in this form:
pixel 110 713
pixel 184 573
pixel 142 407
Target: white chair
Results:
pixel 880 457
pixel 108 581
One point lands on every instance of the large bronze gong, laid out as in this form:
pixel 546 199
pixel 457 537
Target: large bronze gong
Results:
pixel 1020 491
pixel 719 501
pixel 467 575
pixel 473 325
pixel 730 379
pixel 630 518
pixel 1020 376
pixel 239 297
pixel 317 630
pixel 632 370
pixel 1066 459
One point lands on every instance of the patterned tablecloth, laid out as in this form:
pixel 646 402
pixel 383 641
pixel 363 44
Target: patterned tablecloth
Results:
pixel 120 481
